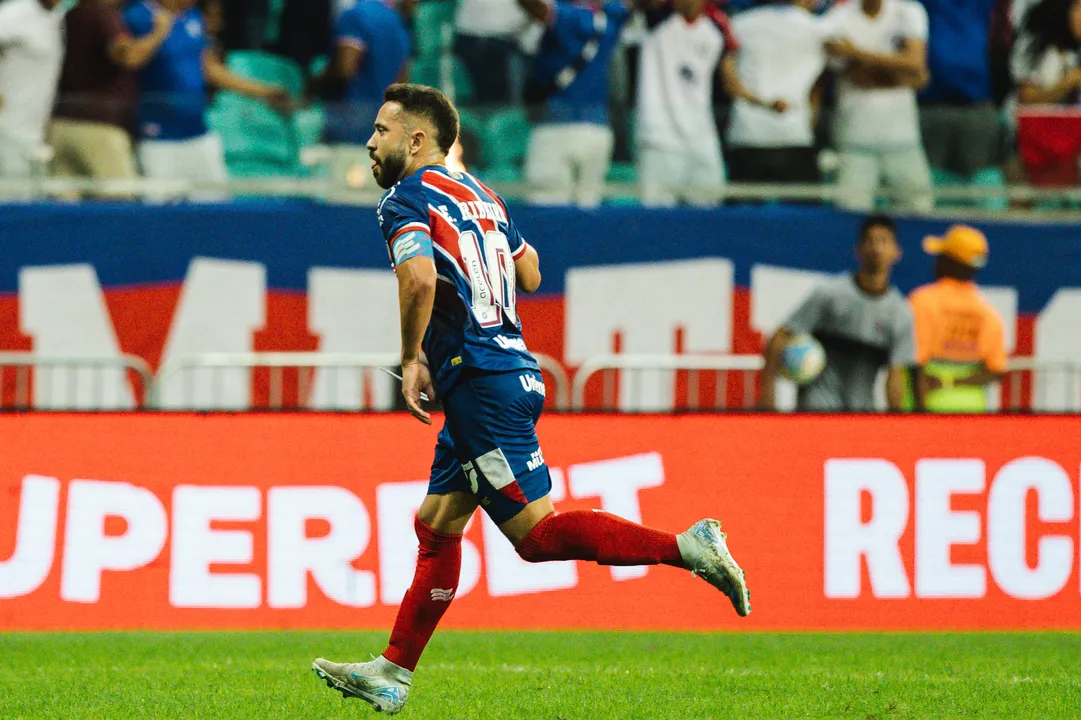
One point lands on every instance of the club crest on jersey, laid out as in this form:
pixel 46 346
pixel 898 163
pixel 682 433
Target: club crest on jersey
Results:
pixel 482 210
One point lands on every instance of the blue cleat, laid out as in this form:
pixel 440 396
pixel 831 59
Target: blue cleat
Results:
pixel 384 685
pixel 705 552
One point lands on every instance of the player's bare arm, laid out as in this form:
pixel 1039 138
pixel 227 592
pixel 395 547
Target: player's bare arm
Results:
pixel 416 295
pixel 772 369
pixel 736 90
pixel 527 276
pixel 907 67
pixel 895 388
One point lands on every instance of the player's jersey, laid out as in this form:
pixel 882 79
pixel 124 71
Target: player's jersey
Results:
pixel 464 227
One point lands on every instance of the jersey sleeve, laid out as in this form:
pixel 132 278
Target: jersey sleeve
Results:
pixel 914 25
pixel 9 23
pixel 807 316
pixel 139 20
pixel 403 217
pixel 351 29
pixel 903 347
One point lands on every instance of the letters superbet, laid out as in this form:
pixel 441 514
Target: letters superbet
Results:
pixel 253 521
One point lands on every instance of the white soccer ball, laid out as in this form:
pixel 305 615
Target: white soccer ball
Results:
pixel 802 359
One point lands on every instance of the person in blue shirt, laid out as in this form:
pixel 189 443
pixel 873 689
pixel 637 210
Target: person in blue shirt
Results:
pixel 570 150
pixel 962 133
pixel 460 260
pixel 174 140
pixel 371 52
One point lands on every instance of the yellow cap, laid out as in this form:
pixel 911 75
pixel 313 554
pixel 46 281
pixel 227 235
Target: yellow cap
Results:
pixel 962 243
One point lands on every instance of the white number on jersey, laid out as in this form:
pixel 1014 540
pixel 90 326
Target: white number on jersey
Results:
pixel 491 277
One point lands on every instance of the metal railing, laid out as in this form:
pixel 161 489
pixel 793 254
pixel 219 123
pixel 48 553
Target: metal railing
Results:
pixel 1053 385
pixel 296 380
pixel 649 384
pixel 72 383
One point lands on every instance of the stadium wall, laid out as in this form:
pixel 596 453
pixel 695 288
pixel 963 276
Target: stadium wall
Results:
pixel 176 521
pixel 164 281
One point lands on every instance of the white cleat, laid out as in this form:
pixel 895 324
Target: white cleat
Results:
pixel 705 551
pixel 384 685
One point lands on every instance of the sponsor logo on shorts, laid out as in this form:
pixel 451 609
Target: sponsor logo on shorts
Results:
pixel 535 460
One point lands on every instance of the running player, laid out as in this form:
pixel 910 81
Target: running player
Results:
pixel 460 260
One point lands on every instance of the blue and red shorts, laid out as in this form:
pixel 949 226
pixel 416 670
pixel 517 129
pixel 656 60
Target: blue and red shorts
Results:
pixel 488 445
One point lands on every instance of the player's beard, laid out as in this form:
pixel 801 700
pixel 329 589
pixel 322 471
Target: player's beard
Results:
pixel 388 171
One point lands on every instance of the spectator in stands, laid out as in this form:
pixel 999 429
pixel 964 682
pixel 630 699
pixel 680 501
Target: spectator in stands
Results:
pixel 306 30
pixel 487 42
pixel 570 150
pixel 1046 59
pixel 864 325
pixel 99 91
pixel 371 52
pixel 882 55
pixel 175 143
pixel 960 344
pixel 960 124
pixel 782 59
pixel 679 152
pixel 31 54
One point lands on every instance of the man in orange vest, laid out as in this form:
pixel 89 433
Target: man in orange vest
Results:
pixel 960 344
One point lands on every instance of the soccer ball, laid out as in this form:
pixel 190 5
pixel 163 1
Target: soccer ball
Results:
pixel 802 359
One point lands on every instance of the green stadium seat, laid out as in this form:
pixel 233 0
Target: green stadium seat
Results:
pixel 429 71
pixel 267 68
pixel 506 138
pixel 429 20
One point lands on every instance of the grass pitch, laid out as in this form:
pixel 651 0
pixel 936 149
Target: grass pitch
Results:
pixel 541 676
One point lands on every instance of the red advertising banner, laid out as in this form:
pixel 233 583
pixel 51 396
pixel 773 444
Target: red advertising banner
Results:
pixel 287 521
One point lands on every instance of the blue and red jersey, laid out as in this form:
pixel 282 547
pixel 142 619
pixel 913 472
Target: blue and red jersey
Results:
pixel 464 227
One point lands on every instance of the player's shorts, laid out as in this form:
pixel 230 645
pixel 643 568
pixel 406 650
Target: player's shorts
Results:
pixel 488 445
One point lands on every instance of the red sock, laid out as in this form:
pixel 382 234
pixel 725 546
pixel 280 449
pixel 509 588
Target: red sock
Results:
pixel 601 537
pixel 439 563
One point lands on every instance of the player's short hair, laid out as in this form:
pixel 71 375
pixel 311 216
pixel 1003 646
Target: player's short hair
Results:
pixel 876 221
pixel 430 104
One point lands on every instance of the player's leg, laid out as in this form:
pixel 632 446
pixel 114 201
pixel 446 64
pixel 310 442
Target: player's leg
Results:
pixel 705 177
pixel 508 474
pixel 657 176
pixel 385 682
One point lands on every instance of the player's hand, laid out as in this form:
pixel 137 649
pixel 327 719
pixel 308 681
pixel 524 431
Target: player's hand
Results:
pixel 779 106
pixel 841 48
pixel 416 377
pixel 279 99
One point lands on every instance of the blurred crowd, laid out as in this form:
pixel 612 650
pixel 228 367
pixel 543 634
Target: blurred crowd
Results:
pixel 886 99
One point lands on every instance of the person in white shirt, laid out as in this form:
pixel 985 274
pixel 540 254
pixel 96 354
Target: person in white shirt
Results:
pixel 782 57
pixel 678 149
pixel 487 37
pixel 31 55
pixel 881 49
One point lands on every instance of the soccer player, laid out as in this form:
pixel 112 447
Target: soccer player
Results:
pixel 460 260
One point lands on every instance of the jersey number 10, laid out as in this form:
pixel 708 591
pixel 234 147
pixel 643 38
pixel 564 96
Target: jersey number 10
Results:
pixel 491 275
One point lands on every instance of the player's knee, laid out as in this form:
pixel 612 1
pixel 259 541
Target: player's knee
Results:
pixel 530 552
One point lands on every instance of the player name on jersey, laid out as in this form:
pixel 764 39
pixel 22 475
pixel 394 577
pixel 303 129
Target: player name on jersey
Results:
pixel 481 210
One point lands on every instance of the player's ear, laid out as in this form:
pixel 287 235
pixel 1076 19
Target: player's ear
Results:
pixel 416 140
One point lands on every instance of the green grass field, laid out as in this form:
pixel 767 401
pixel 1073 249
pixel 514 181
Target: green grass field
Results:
pixel 117 676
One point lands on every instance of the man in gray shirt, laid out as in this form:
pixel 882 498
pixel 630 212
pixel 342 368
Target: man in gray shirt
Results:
pixel 863 323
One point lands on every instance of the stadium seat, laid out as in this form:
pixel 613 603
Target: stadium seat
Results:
pixel 267 68
pixel 431 21
pixel 431 71
pixel 259 140
pixel 506 138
